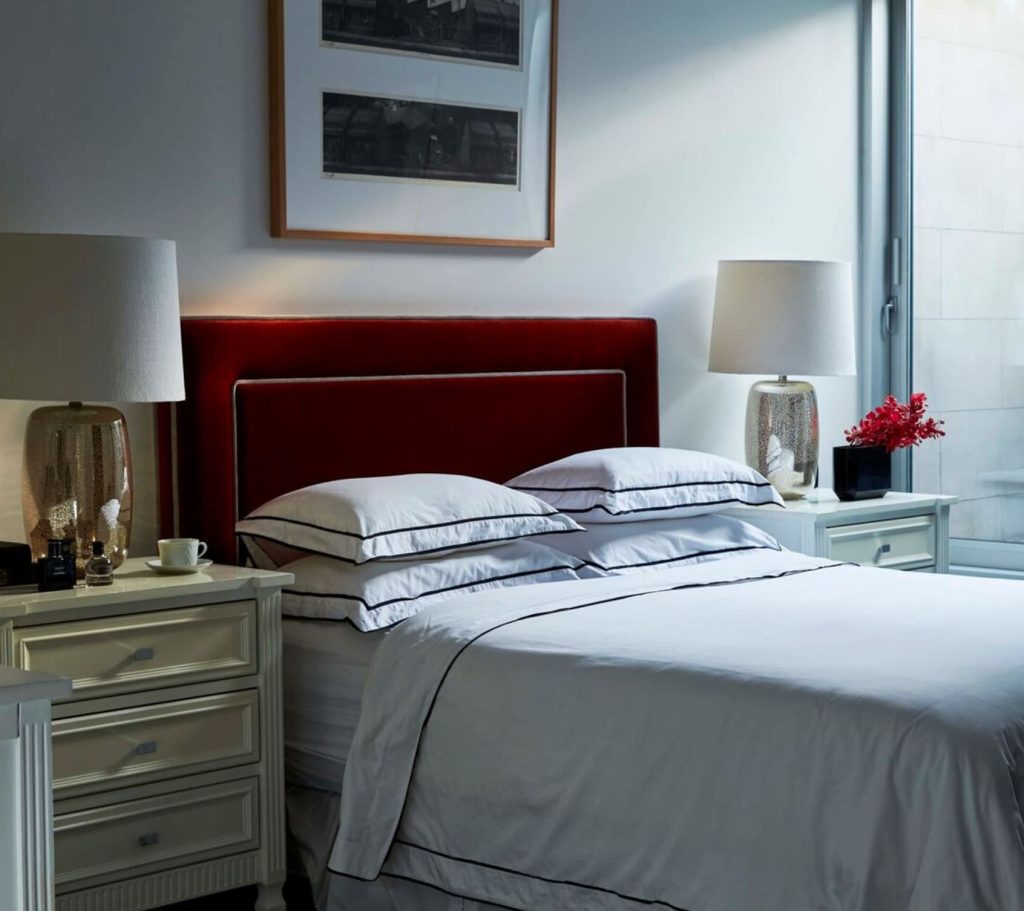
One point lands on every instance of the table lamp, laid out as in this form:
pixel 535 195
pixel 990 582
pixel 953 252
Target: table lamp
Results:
pixel 783 317
pixel 85 318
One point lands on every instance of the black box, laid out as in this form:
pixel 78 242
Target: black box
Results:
pixel 16 567
pixel 861 472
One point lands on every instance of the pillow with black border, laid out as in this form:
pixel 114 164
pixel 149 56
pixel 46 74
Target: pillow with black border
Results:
pixel 360 520
pixel 377 595
pixel 631 547
pixel 636 484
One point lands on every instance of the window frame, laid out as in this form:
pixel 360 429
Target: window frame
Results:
pixel 892 371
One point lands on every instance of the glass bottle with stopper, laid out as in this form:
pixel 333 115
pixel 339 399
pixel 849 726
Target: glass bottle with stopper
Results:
pixel 99 570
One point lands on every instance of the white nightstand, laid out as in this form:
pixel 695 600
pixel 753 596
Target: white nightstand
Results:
pixel 167 757
pixel 26 808
pixel 898 531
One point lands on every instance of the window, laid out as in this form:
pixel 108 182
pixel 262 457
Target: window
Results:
pixel 958 201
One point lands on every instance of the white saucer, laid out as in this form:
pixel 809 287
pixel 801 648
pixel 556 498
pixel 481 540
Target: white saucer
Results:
pixel 158 567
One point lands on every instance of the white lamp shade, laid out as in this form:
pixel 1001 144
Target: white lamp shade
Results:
pixel 89 318
pixel 784 317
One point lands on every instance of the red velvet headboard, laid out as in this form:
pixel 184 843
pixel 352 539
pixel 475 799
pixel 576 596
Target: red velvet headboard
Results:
pixel 276 404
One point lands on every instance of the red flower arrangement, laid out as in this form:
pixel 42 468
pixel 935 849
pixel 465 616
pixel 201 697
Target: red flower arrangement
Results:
pixel 896 425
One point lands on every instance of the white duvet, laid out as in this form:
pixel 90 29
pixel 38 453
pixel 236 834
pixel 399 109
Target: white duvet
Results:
pixel 768 732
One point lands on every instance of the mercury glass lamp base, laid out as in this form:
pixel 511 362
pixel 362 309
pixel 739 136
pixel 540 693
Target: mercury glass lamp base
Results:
pixel 76 480
pixel 782 435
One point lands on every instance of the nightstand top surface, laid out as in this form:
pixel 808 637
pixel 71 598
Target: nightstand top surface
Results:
pixel 134 581
pixel 27 686
pixel 826 503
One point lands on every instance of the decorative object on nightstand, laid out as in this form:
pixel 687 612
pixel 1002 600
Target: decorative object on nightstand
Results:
pixel 26 799
pixel 902 531
pixel 86 317
pixel 783 317
pixel 15 564
pixel 179 556
pixel 863 469
pixel 168 770
pixel 56 570
pixel 99 570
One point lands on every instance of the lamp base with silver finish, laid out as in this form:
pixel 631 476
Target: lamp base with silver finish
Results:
pixel 77 480
pixel 782 435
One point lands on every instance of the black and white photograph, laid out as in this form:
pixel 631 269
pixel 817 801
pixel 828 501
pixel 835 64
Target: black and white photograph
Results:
pixel 394 121
pixel 479 31
pixel 374 137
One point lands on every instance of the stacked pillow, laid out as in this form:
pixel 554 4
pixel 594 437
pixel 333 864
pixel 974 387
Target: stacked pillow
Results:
pixel 373 551
pixel 379 594
pixel 634 484
pixel 648 508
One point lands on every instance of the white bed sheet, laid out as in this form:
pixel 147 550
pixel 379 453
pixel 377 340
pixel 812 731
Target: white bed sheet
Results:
pixel 313 823
pixel 769 731
pixel 325 664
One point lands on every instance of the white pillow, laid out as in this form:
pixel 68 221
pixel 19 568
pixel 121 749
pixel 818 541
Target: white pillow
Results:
pixel 372 596
pixel 629 547
pixel 364 519
pixel 639 483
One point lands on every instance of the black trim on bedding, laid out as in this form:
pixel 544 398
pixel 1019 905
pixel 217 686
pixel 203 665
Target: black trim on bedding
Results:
pixel 435 591
pixel 680 559
pixel 555 882
pixel 400 531
pixel 306 619
pixel 302 550
pixel 543 613
pixel 453 548
pixel 637 489
pixel 420 882
pixel 362 632
pixel 626 512
pixel 246 553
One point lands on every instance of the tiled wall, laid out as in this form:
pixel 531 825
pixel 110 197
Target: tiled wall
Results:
pixel 969 258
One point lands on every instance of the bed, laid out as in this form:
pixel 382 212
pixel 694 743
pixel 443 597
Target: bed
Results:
pixel 769 731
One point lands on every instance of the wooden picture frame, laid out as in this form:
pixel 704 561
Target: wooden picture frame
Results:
pixel 285 224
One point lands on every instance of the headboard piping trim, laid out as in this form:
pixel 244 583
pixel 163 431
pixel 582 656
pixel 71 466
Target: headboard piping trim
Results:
pixel 381 378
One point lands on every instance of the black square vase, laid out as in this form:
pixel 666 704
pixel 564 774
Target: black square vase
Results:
pixel 861 472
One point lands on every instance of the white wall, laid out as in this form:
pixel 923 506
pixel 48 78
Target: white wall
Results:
pixel 689 130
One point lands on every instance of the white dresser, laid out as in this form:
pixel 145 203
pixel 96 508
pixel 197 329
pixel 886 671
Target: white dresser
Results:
pixel 167 763
pixel 26 812
pixel 907 531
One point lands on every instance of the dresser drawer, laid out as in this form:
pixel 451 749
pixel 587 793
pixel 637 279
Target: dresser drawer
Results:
pixel 148 743
pixel 892 544
pixel 143 651
pixel 135 837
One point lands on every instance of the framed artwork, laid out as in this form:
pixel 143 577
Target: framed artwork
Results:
pixel 414 121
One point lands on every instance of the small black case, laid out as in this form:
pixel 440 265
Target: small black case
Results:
pixel 16 567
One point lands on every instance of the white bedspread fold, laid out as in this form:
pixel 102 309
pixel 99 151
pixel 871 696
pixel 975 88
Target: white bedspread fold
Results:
pixel 769 732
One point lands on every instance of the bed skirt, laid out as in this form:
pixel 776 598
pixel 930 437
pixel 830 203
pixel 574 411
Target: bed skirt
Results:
pixel 312 826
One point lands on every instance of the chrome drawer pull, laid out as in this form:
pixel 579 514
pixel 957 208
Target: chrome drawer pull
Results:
pixel 144 749
pixel 147 841
pixel 143 654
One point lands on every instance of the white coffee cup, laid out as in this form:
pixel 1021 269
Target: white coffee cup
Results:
pixel 180 551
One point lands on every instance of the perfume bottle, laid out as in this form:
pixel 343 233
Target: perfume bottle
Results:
pixel 69 554
pixel 99 570
pixel 57 568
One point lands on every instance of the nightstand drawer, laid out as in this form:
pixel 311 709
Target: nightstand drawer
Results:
pixel 168 830
pixel 143 651
pixel 892 544
pixel 148 743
